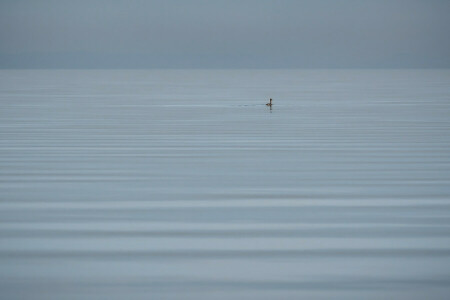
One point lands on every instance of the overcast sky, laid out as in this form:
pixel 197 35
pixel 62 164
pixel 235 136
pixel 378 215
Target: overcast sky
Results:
pixel 224 33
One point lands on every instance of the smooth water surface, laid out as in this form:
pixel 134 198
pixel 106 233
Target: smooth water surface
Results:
pixel 182 184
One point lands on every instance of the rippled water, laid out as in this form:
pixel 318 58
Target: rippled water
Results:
pixel 126 184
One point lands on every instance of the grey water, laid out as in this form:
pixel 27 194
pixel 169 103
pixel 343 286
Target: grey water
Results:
pixel 183 184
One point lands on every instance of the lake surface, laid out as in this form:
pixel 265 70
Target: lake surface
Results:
pixel 182 184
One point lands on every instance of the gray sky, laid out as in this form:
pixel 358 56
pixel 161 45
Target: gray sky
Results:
pixel 224 33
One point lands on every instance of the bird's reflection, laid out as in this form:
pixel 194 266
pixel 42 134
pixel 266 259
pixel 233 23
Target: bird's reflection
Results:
pixel 269 104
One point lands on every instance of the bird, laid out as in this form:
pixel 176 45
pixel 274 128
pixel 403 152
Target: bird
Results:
pixel 270 103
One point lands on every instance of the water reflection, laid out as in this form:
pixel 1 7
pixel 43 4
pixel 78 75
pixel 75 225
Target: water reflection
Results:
pixel 125 184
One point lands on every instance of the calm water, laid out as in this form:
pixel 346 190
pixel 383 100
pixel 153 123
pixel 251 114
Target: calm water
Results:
pixel 131 184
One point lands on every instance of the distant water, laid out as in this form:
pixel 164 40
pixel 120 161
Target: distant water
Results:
pixel 130 184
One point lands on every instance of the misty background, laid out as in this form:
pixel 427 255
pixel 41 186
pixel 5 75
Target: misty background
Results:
pixel 224 34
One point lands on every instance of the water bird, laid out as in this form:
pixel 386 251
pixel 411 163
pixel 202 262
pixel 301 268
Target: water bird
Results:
pixel 270 103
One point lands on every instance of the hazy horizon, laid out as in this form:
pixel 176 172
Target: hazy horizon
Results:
pixel 200 34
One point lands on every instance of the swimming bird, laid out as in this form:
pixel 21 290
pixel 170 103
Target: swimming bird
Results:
pixel 270 103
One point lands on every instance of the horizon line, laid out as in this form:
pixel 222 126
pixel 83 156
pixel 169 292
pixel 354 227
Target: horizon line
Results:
pixel 226 68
